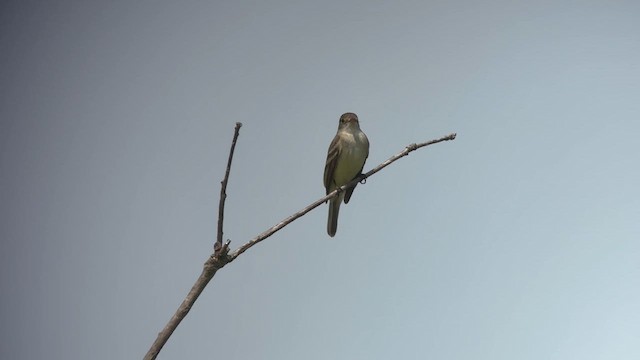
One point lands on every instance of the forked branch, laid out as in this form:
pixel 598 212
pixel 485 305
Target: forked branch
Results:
pixel 221 256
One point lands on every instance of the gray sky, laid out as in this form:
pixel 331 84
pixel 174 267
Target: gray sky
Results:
pixel 518 240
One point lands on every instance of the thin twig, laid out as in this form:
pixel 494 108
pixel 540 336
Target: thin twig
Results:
pixel 221 257
pixel 223 191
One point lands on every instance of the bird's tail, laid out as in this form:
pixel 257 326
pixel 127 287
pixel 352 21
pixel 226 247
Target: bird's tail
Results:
pixel 332 221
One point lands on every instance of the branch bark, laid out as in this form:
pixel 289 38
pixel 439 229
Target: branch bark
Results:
pixel 218 246
pixel 215 262
pixel 221 256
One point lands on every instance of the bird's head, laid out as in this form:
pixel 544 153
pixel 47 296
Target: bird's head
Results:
pixel 349 120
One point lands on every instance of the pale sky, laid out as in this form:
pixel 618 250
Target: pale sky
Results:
pixel 518 240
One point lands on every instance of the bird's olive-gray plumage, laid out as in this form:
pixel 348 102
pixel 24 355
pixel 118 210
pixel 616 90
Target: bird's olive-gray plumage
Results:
pixel 345 160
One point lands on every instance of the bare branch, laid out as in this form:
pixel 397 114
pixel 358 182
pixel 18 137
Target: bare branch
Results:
pixel 315 204
pixel 221 257
pixel 223 191
pixel 216 261
pixel 210 267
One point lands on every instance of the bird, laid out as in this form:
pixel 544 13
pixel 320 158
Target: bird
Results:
pixel 345 160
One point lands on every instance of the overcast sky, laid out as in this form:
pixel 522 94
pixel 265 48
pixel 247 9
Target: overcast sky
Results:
pixel 518 240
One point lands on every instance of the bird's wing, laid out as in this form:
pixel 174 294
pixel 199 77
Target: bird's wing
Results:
pixel 332 162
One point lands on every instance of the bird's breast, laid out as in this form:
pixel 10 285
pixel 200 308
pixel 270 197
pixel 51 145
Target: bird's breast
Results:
pixel 353 153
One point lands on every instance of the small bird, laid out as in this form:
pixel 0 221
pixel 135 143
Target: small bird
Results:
pixel 345 160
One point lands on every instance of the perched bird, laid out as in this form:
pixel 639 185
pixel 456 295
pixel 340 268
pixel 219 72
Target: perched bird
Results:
pixel 347 153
